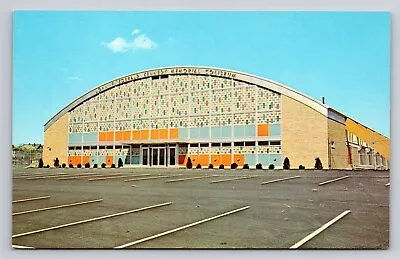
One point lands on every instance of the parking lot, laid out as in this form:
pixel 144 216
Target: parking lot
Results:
pixel 273 215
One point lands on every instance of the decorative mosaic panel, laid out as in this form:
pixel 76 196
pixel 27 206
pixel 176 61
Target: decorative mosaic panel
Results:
pixel 179 105
pixel 90 127
pixel 180 84
pixel 268 100
pixel 269 117
pixel 123 109
pixel 244 118
pixel 106 126
pixel 123 125
pixel 75 128
pixel 107 95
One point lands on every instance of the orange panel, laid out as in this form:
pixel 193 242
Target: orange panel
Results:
pixel 144 134
pixel 109 160
pixel 262 129
pixel 77 160
pixel 193 157
pixel 216 160
pixel 173 133
pixel 203 160
pixel 238 159
pixel 136 134
pixel 154 134
pixel 102 136
pixel 85 159
pixel 163 134
pixel 118 135
pixel 126 135
pixel 71 160
pixel 110 135
pixel 226 160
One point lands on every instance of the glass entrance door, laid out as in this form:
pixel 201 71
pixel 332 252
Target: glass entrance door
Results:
pixel 158 155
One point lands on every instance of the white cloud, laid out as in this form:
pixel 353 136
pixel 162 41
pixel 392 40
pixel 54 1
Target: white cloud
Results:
pixel 74 78
pixel 135 31
pixel 117 45
pixel 121 45
pixel 143 42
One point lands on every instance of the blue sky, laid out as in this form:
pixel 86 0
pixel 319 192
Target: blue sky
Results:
pixel 58 56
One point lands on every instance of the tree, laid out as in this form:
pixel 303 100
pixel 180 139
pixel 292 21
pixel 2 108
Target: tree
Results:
pixel 286 164
pixel 318 164
pixel 40 163
pixel 56 162
pixel 120 164
pixel 189 163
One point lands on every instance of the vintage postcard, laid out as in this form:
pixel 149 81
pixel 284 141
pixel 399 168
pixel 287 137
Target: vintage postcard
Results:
pixel 201 130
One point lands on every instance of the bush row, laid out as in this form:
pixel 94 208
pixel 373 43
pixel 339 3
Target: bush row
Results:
pixel 87 165
pixel 286 165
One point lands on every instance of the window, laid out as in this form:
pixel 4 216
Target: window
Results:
pixel 102 147
pixel 86 148
pixel 250 144
pixel 215 144
pixel 263 143
pixel 274 143
pixel 118 147
pixel 226 144
pixel 110 147
pixel 203 144
pixel 238 144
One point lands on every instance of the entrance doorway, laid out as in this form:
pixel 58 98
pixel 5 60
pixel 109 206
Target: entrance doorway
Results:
pixel 158 155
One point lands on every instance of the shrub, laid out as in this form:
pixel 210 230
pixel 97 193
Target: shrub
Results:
pixel 120 164
pixel 189 163
pixel 47 166
pixel 56 162
pixel 210 166
pixel 198 166
pixel 79 166
pixel 271 166
pixel 286 164
pixel 318 164
pixel 63 165
pixel 259 166
pixel 112 165
pixel 71 166
pixel 87 165
pixel 103 165
pixel 234 166
pixel 95 166
pixel 40 163
pixel 245 166
pixel 221 166
pixel 302 167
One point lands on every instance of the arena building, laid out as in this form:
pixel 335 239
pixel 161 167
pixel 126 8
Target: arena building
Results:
pixel 161 117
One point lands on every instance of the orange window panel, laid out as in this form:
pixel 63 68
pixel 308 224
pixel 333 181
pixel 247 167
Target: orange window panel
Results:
pixel 263 130
pixel 144 134
pixel 136 134
pixel 110 136
pixel 238 159
pixel 109 160
pixel 126 135
pixel 173 133
pixel 102 136
pixel 216 160
pixel 118 135
pixel 163 134
pixel 226 160
pixel 154 134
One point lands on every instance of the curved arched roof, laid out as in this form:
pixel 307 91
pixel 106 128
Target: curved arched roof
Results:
pixel 195 70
